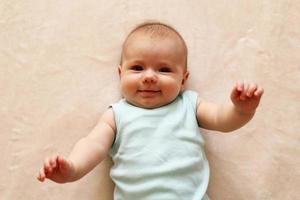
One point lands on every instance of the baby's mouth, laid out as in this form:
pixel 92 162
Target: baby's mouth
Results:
pixel 148 93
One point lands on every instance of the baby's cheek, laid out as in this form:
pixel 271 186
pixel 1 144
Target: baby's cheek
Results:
pixel 172 91
pixel 129 87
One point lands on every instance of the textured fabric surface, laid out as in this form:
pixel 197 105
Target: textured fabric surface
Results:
pixel 58 73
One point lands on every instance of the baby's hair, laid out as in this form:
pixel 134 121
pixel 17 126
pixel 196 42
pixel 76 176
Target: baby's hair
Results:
pixel 156 29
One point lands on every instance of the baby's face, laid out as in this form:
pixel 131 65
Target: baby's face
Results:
pixel 153 70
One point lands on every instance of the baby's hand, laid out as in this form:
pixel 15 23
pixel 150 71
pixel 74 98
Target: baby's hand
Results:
pixel 246 97
pixel 57 169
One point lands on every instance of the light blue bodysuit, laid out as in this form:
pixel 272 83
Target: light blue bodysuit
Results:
pixel 158 153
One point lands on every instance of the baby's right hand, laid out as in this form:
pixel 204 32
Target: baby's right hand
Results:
pixel 57 169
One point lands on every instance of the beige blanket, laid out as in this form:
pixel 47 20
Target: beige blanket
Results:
pixel 58 73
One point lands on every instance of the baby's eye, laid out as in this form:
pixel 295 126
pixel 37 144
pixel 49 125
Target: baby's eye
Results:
pixel 165 69
pixel 136 68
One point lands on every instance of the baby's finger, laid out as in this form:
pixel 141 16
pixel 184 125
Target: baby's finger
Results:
pixel 252 88
pixel 53 161
pixel 47 166
pixel 259 92
pixel 243 95
pixel 236 91
pixel 240 86
pixel 41 176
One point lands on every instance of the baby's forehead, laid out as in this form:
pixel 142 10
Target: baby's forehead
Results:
pixel 165 45
pixel 156 33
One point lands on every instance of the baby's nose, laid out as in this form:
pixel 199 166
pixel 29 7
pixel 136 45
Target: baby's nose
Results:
pixel 149 76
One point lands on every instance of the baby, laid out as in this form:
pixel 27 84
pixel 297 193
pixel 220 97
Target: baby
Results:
pixel 153 133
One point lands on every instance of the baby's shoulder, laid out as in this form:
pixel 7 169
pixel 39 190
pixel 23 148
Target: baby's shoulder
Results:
pixel 108 118
pixel 190 96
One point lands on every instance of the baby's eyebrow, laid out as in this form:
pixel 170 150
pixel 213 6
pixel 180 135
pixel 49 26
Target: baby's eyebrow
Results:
pixel 133 61
pixel 164 63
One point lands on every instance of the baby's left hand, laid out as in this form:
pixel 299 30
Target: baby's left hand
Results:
pixel 246 97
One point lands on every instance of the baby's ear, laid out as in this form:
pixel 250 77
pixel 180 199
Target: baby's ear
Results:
pixel 120 71
pixel 185 78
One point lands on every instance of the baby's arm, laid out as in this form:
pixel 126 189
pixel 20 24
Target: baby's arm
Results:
pixel 234 114
pixel 86 154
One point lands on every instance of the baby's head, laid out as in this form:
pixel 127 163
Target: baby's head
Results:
pixel 153 67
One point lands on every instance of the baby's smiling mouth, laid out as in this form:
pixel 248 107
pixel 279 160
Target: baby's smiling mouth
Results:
pixel 148 93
